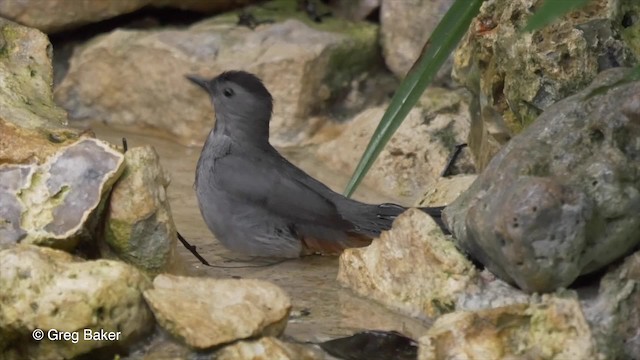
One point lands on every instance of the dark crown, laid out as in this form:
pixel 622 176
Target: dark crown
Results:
pixel 248 81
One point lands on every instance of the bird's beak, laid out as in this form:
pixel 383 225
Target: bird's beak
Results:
pixel 203 83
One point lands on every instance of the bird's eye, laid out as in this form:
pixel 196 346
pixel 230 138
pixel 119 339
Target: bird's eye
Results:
pixel 228 92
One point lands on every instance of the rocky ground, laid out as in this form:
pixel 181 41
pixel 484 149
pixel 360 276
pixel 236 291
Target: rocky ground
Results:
pixel 542 261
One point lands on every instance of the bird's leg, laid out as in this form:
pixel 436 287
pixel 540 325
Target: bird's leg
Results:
pixel 192 249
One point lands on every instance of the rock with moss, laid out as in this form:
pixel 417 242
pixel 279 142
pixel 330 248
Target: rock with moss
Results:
pixel 304 64
pixel 50 204
pixel 551 328
pixel 139 227
pixel 561 199
pixel 32 126
pixel 55 292
pixel 515 76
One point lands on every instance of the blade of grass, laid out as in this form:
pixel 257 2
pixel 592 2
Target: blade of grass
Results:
pixel 550 10
pixel 443 40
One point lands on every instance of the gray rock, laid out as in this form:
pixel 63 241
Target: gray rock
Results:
pixel 405 27
pixel 613 314
pixel 204 312
pixel 562 198
pixel 302 63
pixel 50 203
pixel 515 76
pixel 49 289
pixel 355 10
pixel 31 124
pixel 56 15
pixel 139 227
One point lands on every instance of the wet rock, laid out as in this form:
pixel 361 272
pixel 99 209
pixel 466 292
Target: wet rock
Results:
pixel 205 312
pixel 412 268
pixel 31 125
pixel 405 28
pixel 613 314
pixel 49 204
pixel 139 227
pixel 302 63
pixel 560 199
pixel 516 76
pixel 48 289
pixel 554 328
pixel 56 15
pixel 415 156
pixel 267 348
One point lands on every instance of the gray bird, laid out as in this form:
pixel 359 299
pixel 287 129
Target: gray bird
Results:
pixel 258 203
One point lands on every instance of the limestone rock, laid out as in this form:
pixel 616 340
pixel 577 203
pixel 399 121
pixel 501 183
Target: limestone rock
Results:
pixel 412 268
pixel 47 289
pixel 613 315
pixel 266 348
pixel 302 63
pixel 139 227
pixel 49 204
pixel 552 329
pixel 31 125
pixel 560 199
pixel 415 156
pixel 204 312
pixel 405 28
pixel 515 76
pixel 56 15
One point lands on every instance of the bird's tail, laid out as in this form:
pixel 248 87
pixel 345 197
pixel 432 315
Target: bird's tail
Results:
pixel 386 213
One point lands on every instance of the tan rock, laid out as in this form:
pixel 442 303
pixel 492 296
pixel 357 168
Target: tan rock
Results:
pixel 56 15
pixel 204 312
pixel 31 124
pixel 139 226
pixel 302 63
pixel 49 204
pixel 49 289
pixel 415 269
pixel 554 328
pixel 267 348
pixel 412 268
pixel 415 156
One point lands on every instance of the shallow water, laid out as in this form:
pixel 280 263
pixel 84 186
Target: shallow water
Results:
pixel 333 311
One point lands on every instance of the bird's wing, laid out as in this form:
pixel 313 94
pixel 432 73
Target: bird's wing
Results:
pixel 266 182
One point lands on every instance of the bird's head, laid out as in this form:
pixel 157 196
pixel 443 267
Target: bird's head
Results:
pixel 240 100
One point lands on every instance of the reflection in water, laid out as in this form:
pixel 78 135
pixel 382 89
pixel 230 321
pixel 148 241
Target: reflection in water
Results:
pixel 311 281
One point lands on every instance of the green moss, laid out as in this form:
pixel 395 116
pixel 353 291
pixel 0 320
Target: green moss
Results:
pixel 443 307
